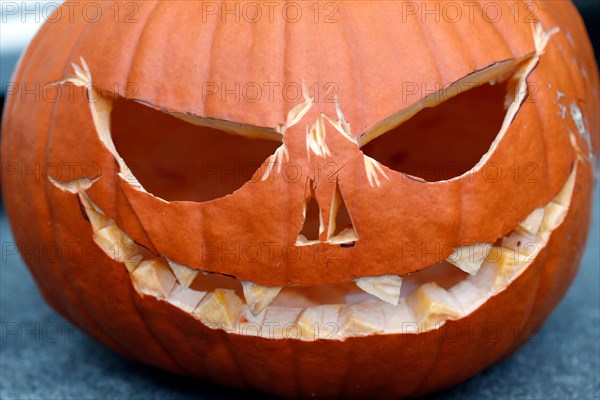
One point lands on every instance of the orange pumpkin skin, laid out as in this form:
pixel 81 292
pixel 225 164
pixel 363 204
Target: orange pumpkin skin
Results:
pixel 95 292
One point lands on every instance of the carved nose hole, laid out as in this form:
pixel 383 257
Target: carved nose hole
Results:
pixel 341 228
pixel 312 224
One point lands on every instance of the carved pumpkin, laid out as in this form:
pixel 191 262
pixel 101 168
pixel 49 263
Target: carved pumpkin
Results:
pixel 378 206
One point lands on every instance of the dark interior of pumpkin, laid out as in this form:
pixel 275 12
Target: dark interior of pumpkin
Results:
pixel 447 140
pixel 176 160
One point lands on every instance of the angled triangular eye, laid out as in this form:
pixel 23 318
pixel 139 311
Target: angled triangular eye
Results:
pixel 178 159
pixel 448 136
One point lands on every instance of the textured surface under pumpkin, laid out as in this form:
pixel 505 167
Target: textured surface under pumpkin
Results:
pixel 393 300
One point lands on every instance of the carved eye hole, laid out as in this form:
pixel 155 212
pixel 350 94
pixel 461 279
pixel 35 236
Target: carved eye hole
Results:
pixel 179 160
pixel 449 137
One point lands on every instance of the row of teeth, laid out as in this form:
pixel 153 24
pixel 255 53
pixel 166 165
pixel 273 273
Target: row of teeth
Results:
pixel 490 269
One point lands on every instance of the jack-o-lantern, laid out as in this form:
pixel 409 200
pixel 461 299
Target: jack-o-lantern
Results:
pixel 366 201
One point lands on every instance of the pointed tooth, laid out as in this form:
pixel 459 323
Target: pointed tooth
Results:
pixel 532 223
pixel 469 258
pixel 185 275
pixel 185 299
pixel 319 322
pixel 280 323
pixel 521 242
pixel 132 262
pixel 154 277
pixel 469 295
pixel 556 211
pixel 258 297
pixel 118 245
pixel 97 218
pixel 564 196
pixel 220 308
pixel 398 319
pixel 433 304
pixel 554 215
pixel 250 324
pixel 484 280
pixel 362 318
pixel 506 264
pixel 385 287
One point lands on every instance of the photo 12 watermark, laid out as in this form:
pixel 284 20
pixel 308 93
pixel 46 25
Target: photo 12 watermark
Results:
pixel 69 11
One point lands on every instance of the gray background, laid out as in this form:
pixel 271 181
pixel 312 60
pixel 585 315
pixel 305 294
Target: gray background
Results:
pixel 43 357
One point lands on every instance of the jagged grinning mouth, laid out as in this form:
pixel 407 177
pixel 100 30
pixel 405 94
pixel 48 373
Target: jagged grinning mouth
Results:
pixel 386 304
